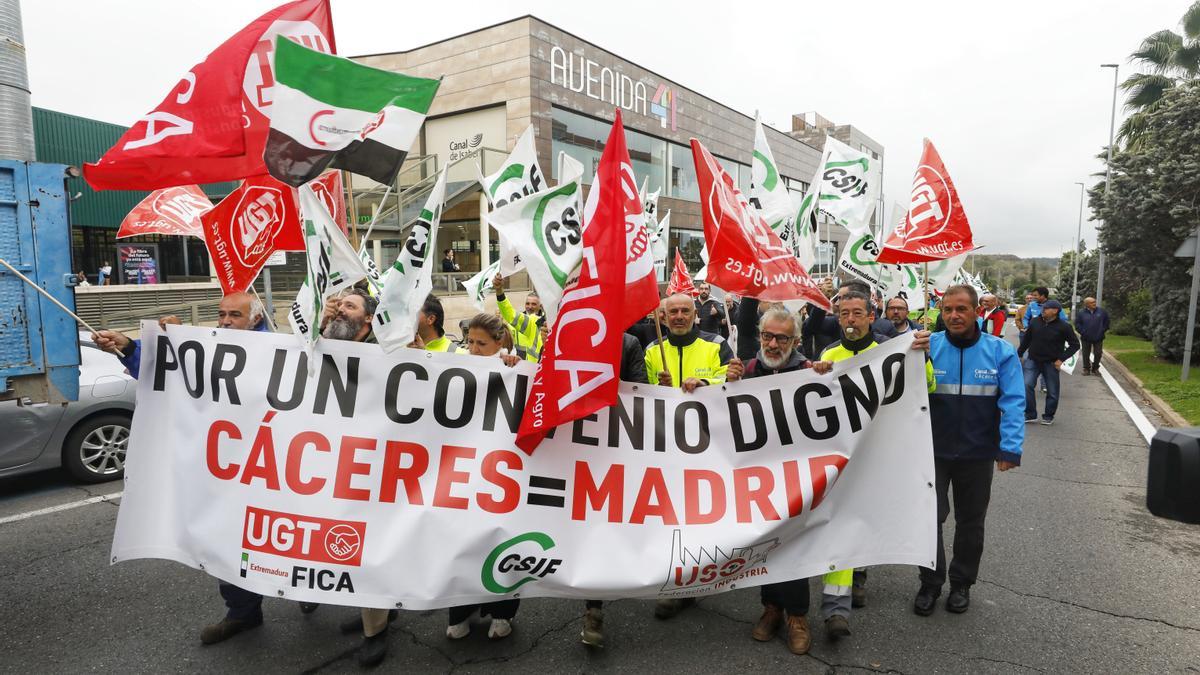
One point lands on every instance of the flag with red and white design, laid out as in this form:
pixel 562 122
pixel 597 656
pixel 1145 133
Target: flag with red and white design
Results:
pixel 255 220
pixel 174 210
pixel 213 124
pixel 746 257
pixel 681 281
pixel 936 227
pixel 581 362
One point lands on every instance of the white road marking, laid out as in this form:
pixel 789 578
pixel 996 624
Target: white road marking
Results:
pixel 61 507
pixel 1135 413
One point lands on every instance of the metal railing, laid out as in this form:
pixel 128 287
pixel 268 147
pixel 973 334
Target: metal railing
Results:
pixel 198 312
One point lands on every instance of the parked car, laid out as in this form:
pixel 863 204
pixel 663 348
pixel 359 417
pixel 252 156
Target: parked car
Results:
pixel 1012 309
pixel 87 438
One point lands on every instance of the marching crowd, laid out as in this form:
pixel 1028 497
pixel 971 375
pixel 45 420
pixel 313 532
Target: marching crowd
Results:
pixel 980 393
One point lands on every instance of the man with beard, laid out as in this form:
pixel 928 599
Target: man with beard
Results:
pixel 975 415
pixel 897 315
pixel 778 333
pixel 855 319
pixel 711 312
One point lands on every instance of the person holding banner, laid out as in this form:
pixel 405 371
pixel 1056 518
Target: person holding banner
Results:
pixel 825 329
pixel 856 320
pixel 237 311
pixel 487 335
pixel 975 414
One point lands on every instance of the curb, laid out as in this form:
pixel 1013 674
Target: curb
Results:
pixel 1160 406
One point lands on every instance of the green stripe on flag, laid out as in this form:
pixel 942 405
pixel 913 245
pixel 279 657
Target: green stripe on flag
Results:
pixel 343 83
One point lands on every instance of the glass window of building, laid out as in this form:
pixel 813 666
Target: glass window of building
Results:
pixel 649 157
pixel 683 174
pixel 743 180
pixel 580 137
pixel 689 243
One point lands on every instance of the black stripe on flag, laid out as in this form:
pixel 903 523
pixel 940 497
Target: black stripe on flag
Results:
pixel 370 158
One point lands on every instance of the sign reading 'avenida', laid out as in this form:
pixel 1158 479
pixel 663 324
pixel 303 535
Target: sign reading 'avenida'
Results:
pixel 585 76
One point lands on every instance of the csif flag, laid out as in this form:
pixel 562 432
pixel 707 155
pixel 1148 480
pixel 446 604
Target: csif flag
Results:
pixel 580 366
pixel 478 286
pixel 936 226
pixel 519 176
pixel 410 279
pixel 254 221
pixel 173 210
pixel 681 281
pixel 331 112
pixel 332 266
pixel 659 240
pixel 746 256
pixel 213 124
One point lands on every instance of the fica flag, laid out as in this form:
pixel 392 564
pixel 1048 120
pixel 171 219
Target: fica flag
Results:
pixel 213 124
pixel 331 112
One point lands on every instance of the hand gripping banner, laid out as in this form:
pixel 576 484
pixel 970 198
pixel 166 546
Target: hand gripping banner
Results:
pixel 392 480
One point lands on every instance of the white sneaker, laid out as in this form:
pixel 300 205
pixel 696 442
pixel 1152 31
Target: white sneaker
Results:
pixel 500 628
pixel 459 631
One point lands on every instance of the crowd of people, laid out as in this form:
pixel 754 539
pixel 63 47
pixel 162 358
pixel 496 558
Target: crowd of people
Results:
pixel 980 392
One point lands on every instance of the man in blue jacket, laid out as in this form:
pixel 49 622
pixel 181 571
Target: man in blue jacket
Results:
pixel 1092 324
pixel 976 412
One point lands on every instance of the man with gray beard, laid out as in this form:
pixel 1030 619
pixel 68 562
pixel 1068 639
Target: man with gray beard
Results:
pixel 352 318
pixel 778 335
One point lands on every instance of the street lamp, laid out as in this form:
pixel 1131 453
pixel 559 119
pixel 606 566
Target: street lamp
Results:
pixel 1078 233
pixel 1112 123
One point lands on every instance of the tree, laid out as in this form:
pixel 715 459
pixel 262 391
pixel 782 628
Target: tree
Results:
pixel 1151 208
pixel 1170 58
pixel 1033 272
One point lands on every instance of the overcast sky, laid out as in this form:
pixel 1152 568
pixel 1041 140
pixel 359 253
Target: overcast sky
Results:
pixel 1011 93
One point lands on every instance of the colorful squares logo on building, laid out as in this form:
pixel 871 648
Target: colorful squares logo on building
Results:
pixel 662 106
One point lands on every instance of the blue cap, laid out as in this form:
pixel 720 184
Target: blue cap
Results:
pixel 1052 304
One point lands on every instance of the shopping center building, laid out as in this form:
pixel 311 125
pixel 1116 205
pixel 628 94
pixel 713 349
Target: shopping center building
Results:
pixel 500 79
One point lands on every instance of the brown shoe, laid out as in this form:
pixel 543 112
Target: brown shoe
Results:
pixel 836 628
pixel 768 624
pixel 798 637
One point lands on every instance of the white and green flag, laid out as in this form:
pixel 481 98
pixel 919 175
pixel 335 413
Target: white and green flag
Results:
pixel 844 189
pixel 546 230
pixel 519 177
pixel 331 112
pixel 768 191
pixel 333 266
pixel 478 286
pixel 660 239
pixel 410 279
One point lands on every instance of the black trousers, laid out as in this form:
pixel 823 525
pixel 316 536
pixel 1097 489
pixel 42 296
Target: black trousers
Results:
pixel 971 481
pixel 1090 348
pixel 240 603
pixel 792 596
pixel 504 609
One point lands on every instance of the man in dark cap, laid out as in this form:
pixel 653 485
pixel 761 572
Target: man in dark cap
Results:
pixel 1048 342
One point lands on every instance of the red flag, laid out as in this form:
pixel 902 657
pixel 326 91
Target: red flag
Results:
pixel 175 210
pixel 213 124
pixel 744 255
pixel 581 362
pixel 328 188
pixel 681 281
pixel 936 227
pixel 258 218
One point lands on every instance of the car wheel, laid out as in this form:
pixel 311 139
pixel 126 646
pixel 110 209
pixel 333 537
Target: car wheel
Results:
pixel 95 449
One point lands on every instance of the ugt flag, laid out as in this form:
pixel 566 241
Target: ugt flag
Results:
pixel 254 221
pixel 681 281
pixel 212 125
pixel 410 279
pixel 174 210
pixel 333 112
pixel 746 256
pixel 580 366
pixel 936 226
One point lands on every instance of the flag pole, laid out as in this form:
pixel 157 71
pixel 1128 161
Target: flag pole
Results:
pixel 925 294
pixel 353 208
pixel 662 352
pixel 53 299
pixel 374 216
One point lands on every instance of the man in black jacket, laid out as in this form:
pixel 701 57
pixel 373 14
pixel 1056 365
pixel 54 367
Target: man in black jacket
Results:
pixel 1092 323
pixel 710 312
pixel 1048 341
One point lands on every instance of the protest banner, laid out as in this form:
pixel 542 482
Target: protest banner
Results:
pixel 392 480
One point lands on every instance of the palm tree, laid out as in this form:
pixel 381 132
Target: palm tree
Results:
pixel 1169 58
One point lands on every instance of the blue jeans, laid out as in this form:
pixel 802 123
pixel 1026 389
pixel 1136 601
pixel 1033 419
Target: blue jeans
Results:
pixel 240 603
pixel 1049 374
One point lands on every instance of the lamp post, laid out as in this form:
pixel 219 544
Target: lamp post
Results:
pixel 1075 257
pixel 1112 123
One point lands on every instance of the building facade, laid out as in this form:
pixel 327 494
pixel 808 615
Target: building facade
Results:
pixel 500 79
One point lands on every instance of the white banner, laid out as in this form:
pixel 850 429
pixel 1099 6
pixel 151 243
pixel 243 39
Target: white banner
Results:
pixel 391 480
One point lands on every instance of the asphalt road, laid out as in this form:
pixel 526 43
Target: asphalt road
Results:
pixel 1077 577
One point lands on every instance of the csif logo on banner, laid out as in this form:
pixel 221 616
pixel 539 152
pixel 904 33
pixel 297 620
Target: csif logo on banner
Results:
pixel 518 561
